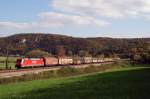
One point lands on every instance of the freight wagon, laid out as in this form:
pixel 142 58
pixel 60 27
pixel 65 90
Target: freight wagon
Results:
pixel 78 60
pixel 51 61
pixel 88 60
pixel 65 61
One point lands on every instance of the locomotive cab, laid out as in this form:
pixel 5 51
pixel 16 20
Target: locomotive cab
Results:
pixel 18 63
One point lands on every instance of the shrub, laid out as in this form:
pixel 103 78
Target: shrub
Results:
pixel 66 71
pixel 90 69
pixel 36 54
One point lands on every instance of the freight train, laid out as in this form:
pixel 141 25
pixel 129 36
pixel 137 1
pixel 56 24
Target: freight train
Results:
pixel 58 61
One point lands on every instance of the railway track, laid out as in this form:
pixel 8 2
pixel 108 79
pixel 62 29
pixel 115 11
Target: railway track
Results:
pixel 21 72
pixel 13 73
pixel 25 69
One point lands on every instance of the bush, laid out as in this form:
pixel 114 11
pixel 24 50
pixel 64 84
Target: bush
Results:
pixel 66 71
pixel 90 69
pixel 36 54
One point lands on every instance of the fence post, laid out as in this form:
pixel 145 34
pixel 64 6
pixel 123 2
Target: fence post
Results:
pixel 7 56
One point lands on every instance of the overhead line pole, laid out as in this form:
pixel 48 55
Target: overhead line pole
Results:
pixel 7 56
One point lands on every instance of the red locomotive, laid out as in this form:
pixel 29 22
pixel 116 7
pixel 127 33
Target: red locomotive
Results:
pixel 29 62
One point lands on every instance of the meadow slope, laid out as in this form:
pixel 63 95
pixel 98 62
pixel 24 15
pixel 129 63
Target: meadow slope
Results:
pixel 127 83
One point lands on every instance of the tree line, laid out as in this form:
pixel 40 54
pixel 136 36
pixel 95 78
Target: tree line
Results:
pixel 137 50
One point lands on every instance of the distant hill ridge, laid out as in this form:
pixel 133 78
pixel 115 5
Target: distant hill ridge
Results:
pixel 22 43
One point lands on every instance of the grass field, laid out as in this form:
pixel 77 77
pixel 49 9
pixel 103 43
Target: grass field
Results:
pixel 127 83
pixel 10 64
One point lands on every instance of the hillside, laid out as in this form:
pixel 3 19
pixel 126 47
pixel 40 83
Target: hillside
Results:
pixel 125 83
pixel 22 43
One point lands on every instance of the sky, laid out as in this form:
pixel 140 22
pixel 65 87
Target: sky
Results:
pixel 79 18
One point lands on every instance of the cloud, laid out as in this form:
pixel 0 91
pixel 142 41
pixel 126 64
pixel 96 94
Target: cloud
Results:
pixel 66 19
pixel 12 25
pixel 84 13
pixel 54 19
pixel 105 8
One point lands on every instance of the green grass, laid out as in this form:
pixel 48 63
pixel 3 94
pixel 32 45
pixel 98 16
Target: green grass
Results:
pixel 127 83
pixel 2 58
pixel 10 64
pixel 3 65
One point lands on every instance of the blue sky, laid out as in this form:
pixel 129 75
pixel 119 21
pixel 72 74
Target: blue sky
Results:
pixel 22 10
pixel 105 18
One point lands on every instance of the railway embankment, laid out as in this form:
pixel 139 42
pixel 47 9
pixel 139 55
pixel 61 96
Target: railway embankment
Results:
pixel 54 72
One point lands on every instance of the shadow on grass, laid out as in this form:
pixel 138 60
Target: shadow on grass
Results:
pixel 132 84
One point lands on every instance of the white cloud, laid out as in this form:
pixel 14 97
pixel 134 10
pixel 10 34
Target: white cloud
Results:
pixel 12 25
pixel 53 19
pixel 66 19
pixel 105 8
pixel 84 13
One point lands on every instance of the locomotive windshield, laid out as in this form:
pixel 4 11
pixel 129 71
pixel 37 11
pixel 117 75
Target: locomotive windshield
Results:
pixel 18 61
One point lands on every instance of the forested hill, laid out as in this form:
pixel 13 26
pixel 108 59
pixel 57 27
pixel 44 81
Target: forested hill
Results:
pixel 22 43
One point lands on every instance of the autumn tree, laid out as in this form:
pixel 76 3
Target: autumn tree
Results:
pixel 36 53
pixel 70 53
pixel 60 51
pixel 141 54
pixel 84 53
